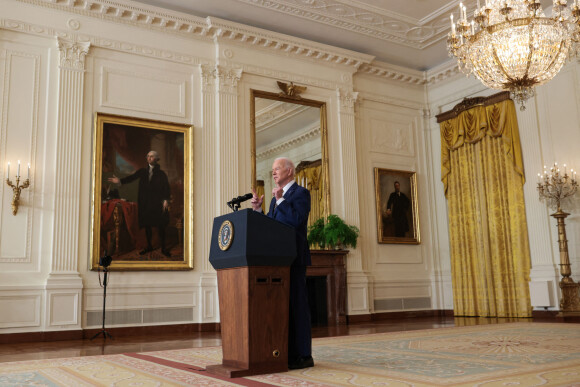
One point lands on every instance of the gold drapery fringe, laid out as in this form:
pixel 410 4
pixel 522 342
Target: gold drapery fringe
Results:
pixel 482 173
pixel 308 174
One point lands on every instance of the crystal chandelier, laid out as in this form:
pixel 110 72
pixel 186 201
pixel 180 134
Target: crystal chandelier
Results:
pixel 511 45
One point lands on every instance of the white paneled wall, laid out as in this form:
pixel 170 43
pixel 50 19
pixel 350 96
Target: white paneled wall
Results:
pixel 60 64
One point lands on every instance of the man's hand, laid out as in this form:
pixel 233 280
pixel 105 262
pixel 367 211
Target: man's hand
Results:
pixel 277 192
pixel 114 179
pixel 256 201
pixel 165 205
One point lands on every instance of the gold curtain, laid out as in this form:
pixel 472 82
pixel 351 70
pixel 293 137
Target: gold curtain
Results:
pixel 308 174
pixel 260 191
pixel 482 172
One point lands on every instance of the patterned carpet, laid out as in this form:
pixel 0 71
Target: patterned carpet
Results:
pixel 513 354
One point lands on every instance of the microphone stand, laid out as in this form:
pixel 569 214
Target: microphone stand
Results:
pixel 103 331
pixel 234 205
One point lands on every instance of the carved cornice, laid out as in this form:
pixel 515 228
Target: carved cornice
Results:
pixel 117 45
pixel 394 73
pixel 365 20
pixel 72 54
pixel 139 15
pixel 290 143
pixel 442 72
pixel 276 113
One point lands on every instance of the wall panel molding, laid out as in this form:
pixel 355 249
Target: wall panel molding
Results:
pixel 24 308
pixel 126 90
pixel 19 128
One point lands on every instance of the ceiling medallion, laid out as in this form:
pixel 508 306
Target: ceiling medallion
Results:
pixel 512 45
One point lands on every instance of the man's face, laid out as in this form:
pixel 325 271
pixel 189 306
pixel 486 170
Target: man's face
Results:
pixel 151 158
pixel 397 187
pixel 281 173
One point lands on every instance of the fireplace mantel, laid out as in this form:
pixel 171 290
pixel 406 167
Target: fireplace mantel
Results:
pixel 331 264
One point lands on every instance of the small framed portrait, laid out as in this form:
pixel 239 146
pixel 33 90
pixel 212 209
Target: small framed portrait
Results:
pixel 142 182
pixel 397 207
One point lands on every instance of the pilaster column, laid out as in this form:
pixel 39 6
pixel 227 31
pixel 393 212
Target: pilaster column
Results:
pixel 208 294
pixel 209 176
pixel 227 129
pixel 64 283
pixel 348 164
pixel 220 142
pixel 357 280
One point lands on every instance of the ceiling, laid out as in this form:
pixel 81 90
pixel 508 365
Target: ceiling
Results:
pixel 409 33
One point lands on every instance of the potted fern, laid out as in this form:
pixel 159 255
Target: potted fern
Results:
pixel 334 233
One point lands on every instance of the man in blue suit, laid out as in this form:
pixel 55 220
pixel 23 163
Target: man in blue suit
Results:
pixel 291 205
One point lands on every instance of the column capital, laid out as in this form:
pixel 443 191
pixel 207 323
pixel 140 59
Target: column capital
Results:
pixel 347 98
pixel 228 78
pixel 208 76
pixel 72 54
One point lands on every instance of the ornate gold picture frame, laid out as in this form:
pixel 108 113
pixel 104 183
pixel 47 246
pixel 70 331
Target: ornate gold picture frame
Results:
pixel 397 206
pixel 142 179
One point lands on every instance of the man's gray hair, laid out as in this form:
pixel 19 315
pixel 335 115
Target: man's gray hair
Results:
pixel 156 154
pixel 287 163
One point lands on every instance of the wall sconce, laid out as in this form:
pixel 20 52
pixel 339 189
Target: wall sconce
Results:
pixel 17 188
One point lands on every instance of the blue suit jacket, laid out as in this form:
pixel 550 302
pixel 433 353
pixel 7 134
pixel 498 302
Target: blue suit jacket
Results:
pixel 294 211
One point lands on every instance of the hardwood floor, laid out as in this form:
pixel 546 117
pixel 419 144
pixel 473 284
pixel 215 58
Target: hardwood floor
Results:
pixel 179 340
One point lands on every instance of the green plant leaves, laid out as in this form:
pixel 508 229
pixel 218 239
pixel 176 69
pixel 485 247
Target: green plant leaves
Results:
pixel 333 233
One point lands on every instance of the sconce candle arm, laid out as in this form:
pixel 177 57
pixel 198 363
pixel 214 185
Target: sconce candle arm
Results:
pixel 16 190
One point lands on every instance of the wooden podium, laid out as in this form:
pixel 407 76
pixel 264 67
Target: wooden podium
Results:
pixel 252 255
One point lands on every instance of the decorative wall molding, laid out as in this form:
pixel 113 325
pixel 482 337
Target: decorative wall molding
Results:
pixel 228 78
pixel 208 76
pixel 228 134
pixel 207 156
pixel 172 87
pixel 347 100
pixel 394 73
pixel 275 113
pixel 365 20
pixel 377 69
pixel 69 135
pixel 290 143
pixel 24 308
pixel 208 28
pixel 32 110
pixel 443 72
pixel 349 178
pixel 288 76
pixel 95 41
pixel 72 54
pixel 366 96
pixel 391 138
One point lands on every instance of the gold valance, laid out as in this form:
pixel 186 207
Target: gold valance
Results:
pixel 480 119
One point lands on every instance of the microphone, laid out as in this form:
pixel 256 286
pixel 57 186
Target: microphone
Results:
pixel 235 202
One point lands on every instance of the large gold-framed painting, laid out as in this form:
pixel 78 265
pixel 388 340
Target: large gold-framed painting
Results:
pixel 397 207
pixel 142 182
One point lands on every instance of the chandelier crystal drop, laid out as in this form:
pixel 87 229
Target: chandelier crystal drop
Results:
pixel 512 45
